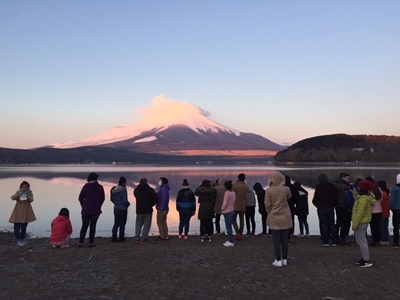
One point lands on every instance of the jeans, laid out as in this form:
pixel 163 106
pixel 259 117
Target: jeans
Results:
pixel 250 213
pixel 228 224
pixel 143 221
pixel 303 223
pixel 86 221
pixel 327 227
pixel 375 225
pixel 217 221
pixel 343 222
pixel 162 223
pixel 238 229
pixel 184 220
pixel 280 240
pixel 206 227
pixel 120 216
pixel 385 230
pixel 396 225
pixel 20 230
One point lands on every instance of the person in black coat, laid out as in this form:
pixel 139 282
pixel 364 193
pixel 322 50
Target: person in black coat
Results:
pixel 207 196
pixel 146 198
pixel 302 209
pixel 292 201
pixel 260 192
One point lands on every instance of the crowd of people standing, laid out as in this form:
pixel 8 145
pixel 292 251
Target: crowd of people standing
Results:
pixel 341 206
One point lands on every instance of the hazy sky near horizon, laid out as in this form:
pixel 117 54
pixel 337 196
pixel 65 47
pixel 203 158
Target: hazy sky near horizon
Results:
pixel 286 70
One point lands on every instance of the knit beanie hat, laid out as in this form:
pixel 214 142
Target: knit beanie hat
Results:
pixel 398 179
pixel 185 183
pixel 365 185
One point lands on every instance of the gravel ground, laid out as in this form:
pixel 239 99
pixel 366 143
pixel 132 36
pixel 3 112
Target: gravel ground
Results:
pixel 184 269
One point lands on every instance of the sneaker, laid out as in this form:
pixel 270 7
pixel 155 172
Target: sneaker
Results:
pixel 359 262
pixel 209 239
pixel 334 245
pixel 237 237
pixel 284 262
pixel 202 240
pixel 307 234
pixel 228 244
pixel 263 234
pixel 24 242
pixel 395 246
pixel 325 245
pixel 300 235
pixel 365 264
pixel 65 246
pixel 20 244
pixel 54 246
pixel 277 263
pixel 248 233
pixel 186 237
pixel 179 236
pixel 218 234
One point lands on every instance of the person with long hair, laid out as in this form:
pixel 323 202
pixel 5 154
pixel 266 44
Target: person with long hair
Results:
pixel 385 212
pixel 207 196
pixel 227 209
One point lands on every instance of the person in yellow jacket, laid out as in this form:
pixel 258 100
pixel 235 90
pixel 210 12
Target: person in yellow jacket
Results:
pixel 361 217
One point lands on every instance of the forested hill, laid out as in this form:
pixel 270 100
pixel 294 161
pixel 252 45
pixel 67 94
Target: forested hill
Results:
pixel 343 148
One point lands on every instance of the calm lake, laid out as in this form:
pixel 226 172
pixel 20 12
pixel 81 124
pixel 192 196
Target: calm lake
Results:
pixel 57 186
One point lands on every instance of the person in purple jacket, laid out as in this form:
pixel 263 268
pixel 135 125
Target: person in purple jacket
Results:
pixel 91 199
pixel 162 208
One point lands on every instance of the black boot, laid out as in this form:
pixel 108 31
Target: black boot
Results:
pixel 114 239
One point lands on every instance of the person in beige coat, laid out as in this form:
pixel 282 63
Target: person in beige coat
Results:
pixel 279 216
pixel 22 213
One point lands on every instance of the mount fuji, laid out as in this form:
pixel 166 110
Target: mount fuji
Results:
pixel 177 127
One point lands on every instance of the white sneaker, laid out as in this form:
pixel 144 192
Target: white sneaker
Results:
pixel 300 235
pixel 228 244
pixel 284 262
pixel 20 244
pixel 65 246
pixel 277 263
pixel 24 242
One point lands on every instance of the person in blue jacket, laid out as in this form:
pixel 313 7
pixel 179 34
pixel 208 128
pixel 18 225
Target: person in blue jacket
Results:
pixel 162 208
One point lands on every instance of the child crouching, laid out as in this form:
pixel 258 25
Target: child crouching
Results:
pixel 61 229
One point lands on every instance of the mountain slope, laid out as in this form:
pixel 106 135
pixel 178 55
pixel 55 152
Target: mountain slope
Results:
pixel 173 126
pixel 343 148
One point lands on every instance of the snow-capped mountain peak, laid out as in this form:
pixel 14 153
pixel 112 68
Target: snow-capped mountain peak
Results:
pixel 163 113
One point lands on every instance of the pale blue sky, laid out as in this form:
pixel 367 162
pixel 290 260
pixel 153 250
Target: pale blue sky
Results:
pixel 286 70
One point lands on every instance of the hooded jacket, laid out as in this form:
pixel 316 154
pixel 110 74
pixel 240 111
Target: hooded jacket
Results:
pixel 250 198
pixel 395 198
pixel 207 196
pixel 276 203
pixel 163 197
pixel 185 200
pixel 240 188
pixel 362 209
pixel 220 189
pixel 60 228
pixel 146 198
pixel 119 196
pixel 91 198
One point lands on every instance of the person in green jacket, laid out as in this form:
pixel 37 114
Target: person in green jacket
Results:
pixel 362 211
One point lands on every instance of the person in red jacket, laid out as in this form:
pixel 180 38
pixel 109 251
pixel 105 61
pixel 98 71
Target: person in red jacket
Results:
pixel 61 229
